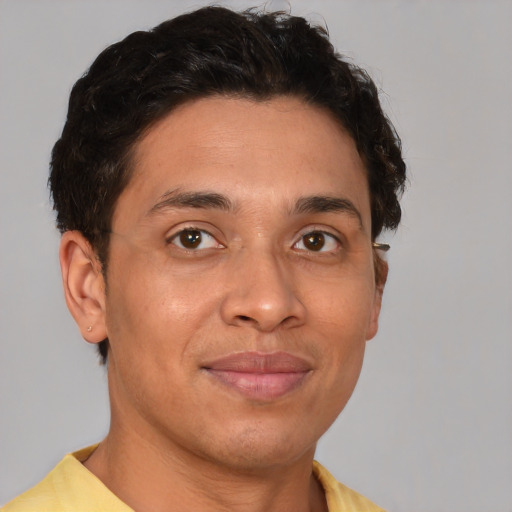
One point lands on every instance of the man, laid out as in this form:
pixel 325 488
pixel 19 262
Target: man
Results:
pixel 220 185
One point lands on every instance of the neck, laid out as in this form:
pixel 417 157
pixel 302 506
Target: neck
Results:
pixel 150 476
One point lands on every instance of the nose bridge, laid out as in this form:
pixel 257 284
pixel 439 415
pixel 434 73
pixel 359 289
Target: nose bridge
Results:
pixel 262 292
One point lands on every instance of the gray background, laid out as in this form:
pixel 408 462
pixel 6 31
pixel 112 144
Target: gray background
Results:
pixel 429 428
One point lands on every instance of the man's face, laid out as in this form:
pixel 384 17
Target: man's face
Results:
pixel 240 286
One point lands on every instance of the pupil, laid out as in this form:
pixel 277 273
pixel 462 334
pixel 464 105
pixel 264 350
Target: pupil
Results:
pixel 190 238
pixel 314 241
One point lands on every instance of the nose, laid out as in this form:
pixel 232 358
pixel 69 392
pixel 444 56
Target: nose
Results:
pixel 262 294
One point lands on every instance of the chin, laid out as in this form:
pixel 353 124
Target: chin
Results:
pixel 256 448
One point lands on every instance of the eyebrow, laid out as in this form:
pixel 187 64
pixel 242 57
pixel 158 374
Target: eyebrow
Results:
pixel 327 204
pixel 180 199
pixel 212 200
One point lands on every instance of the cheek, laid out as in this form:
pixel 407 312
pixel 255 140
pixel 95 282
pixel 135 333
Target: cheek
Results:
pixel 340 323
pixel 155 311
pixel 153 323
pixel 343 306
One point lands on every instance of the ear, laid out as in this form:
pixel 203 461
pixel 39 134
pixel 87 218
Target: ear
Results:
pixel 84 286
pixel 381 276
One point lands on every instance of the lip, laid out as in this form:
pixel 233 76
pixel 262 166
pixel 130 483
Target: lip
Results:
pixel 260 376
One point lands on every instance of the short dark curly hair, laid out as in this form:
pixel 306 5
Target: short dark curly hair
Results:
pixel 211 51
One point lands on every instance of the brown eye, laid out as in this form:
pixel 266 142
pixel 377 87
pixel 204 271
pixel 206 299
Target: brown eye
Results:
pixel 318 241
pixel 190 238
pixel 194 240
pixel 314 241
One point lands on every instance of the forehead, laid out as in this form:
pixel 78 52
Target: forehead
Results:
pixel 258 154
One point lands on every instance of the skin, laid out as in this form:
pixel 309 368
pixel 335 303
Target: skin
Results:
pixel 181 439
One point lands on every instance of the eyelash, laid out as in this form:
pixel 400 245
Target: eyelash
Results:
pixel 324 237
pixel 192 229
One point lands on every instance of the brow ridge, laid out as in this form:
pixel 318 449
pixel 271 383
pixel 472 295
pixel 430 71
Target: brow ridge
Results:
pixel 177 198
pixel 198 199
pixel 327 204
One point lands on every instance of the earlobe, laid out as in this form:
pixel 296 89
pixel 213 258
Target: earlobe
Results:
pixel 381 275
pixel 84 286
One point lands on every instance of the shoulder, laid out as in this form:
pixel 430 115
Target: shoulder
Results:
pixel 341 498
pixel 69 487
pixel 45 496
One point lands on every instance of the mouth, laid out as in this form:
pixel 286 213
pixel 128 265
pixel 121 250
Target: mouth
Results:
pixel 260 376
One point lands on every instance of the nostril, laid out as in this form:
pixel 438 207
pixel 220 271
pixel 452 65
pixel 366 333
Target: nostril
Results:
pixel 244 318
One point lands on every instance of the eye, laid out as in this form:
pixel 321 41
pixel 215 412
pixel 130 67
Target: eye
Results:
pixel 317 241
pixel 194 239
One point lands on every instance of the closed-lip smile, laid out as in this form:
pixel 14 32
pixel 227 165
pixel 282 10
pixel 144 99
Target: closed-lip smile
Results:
pixel 259 376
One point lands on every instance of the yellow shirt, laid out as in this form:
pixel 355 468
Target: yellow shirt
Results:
pixel 71 487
